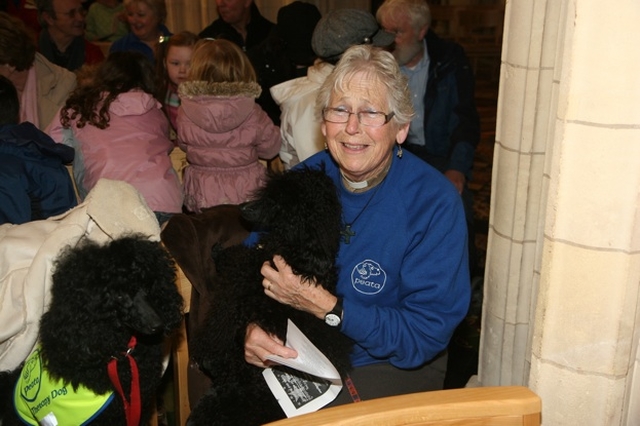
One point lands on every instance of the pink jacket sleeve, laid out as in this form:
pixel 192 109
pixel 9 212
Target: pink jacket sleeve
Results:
pixel 54 129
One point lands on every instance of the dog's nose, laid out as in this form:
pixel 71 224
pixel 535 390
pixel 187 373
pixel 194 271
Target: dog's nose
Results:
pixel 146 320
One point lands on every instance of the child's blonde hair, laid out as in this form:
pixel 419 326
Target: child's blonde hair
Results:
pixel 220 60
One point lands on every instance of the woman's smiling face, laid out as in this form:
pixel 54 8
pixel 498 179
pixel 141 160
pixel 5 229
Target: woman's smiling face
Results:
pixel 143 21
pixel 362 151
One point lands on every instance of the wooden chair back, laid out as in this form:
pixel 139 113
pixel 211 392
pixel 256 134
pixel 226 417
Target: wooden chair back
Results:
pixel 484 406
pixel 180 356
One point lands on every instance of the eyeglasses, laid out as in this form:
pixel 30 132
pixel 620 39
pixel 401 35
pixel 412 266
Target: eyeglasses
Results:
pixel 81 12
pixel 366 118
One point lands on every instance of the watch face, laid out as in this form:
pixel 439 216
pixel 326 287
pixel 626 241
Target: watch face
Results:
pixel 332 319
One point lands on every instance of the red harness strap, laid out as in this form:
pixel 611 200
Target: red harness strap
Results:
pixel 351 387
pixel 132 406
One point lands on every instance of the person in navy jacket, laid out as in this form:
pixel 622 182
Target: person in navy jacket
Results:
pixel 34 182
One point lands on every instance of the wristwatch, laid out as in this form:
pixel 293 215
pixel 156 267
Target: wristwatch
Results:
pixel 334 318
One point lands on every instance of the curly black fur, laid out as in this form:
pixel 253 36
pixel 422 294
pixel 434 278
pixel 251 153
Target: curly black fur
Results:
pixel 302 212
pixel 101 295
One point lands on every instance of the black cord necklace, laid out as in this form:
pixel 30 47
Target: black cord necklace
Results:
pixel 347 232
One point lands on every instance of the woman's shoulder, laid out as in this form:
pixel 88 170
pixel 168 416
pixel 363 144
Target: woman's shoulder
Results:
pixel 124 42
pixel 164 30
pixel 420 181
pixel 321 159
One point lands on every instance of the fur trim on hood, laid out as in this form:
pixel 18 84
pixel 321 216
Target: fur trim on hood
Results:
pixel 190 89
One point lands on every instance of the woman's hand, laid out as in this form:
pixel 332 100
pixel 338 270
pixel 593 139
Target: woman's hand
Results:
pixel 282 285
pixel 258 345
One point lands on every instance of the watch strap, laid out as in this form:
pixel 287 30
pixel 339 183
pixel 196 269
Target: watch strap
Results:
pixel 334 317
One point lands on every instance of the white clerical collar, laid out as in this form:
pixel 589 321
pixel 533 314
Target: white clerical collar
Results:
pixel 354 185
pixel 365 184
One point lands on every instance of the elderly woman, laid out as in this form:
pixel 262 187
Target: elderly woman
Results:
pixel 42 86
pixel 146 26
pixel 404 281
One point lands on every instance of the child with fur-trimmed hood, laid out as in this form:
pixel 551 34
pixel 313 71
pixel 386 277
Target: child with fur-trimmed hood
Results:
pixel 221 128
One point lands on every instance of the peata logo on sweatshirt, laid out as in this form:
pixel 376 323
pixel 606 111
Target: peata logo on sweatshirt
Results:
pixel 368 277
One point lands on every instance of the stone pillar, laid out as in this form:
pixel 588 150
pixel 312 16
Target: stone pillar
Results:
pixel 562 300
pixel 524 131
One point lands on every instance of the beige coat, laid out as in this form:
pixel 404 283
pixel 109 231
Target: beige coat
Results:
pixel 27 253
pixel 54 86
pixel 300 125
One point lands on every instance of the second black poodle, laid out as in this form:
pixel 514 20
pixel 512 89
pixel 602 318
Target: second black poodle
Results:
pixel 101 340
pixel 301 213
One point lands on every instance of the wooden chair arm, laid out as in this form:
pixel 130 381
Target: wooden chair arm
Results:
pixel 495 406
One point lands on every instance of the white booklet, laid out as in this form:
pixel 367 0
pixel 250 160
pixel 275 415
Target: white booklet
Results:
pixel 309 383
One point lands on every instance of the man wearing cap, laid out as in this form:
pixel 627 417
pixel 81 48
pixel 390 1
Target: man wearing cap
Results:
pixel 238 21
pixel 335 32
pixel 286 53
pixel 446 129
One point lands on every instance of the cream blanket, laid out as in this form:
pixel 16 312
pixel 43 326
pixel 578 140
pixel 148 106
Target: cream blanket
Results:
pixel 27 252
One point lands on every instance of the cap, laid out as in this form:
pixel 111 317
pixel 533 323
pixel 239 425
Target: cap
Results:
pixel 342 28
pixel 295 25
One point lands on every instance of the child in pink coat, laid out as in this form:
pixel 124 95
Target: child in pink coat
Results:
pixel 119 132
pixel 173 60
pixel 220 127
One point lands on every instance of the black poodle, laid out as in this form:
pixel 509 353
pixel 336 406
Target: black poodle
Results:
pixel 101 340
pixel 301 211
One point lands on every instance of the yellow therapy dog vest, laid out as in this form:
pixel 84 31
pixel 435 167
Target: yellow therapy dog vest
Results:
pixel 41 400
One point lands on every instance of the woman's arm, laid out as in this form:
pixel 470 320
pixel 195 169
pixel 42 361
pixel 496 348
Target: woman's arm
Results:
pixel 282 285
pixel 425 291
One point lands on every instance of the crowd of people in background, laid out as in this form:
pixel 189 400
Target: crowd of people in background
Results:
pixel 396 128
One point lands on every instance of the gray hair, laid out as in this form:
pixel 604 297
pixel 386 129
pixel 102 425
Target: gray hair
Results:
pixel 379 66
pixel 417 10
